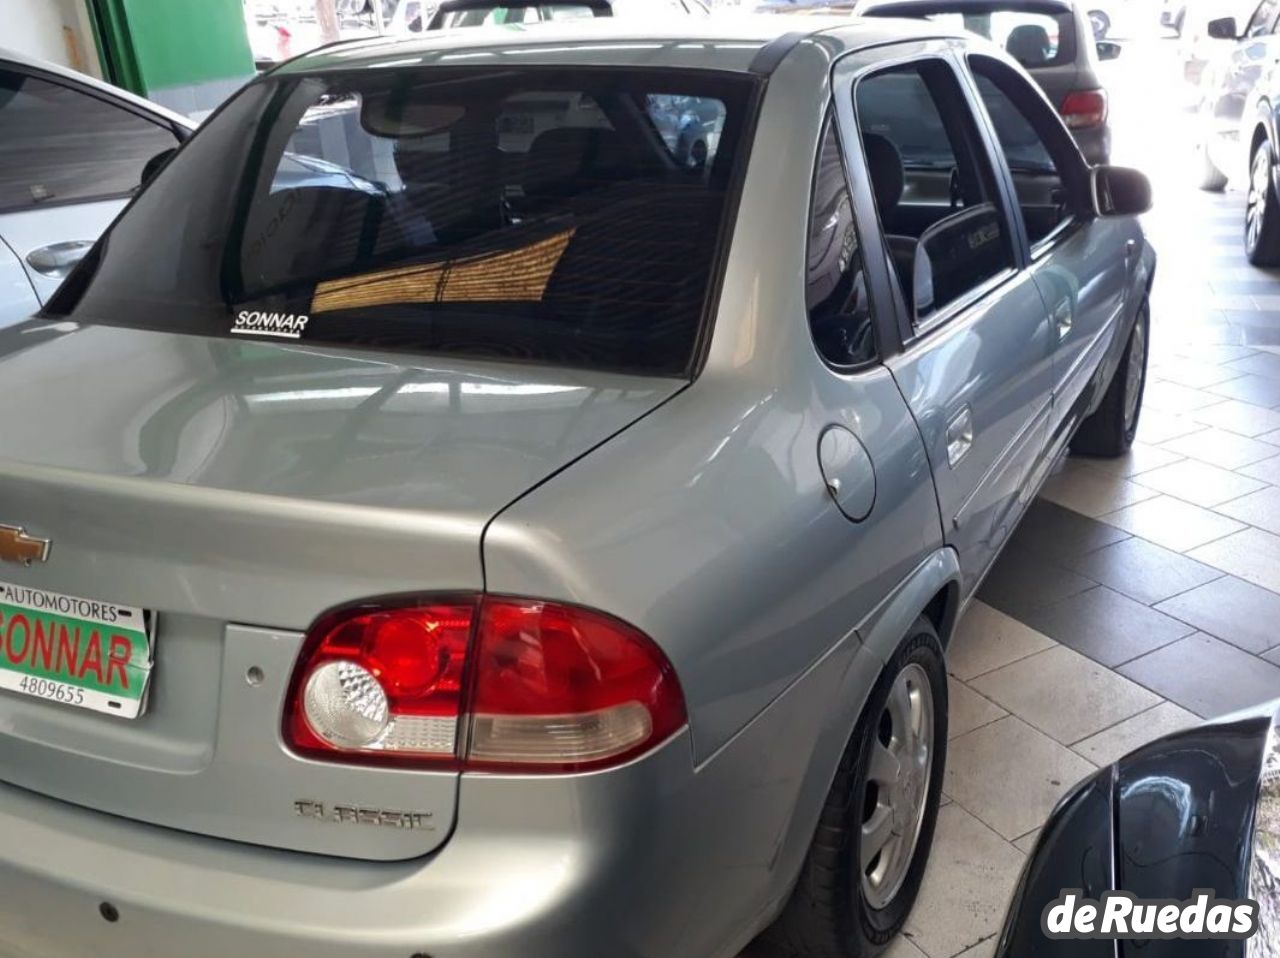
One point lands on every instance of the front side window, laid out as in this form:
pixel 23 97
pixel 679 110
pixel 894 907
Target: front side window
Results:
pixel 568 217
pixel 1263 18
pixel 935 192
pixel 59 145
pixel 835 284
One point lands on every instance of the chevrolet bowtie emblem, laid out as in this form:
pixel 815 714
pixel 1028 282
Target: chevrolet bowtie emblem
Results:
pixel 17 546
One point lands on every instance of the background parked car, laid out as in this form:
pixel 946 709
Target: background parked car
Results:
pixel 1051 38
pixel 73 151
pixel 451 14
pixel 1195 810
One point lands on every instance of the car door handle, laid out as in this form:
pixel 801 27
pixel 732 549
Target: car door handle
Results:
pixel 1063 317
pixel 959 436
pixel 58 259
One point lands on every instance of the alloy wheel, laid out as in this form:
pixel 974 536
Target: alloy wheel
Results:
pixel 898 779
pixel 1259 185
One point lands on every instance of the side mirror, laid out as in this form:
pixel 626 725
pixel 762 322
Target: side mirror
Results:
pixel 155 165
pixel 1223 28
pixel 1109 50
pixel 1118 191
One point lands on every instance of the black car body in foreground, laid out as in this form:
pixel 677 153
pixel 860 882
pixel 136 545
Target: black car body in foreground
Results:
pixel 1198 810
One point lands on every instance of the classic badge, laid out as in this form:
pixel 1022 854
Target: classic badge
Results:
pixel 17 546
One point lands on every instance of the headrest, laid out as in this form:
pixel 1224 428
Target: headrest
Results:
pixel 561 160
pixel 888 177
pixel 1029 45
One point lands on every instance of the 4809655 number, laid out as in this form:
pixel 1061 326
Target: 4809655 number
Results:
pixel 48 689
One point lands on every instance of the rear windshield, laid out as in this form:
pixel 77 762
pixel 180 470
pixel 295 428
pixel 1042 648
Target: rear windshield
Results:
pixel 1033 39
pixel 566 217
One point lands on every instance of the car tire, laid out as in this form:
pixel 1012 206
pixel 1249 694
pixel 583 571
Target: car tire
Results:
pixel 1100 23
pixel 1211 179
pixel 837 909
pixel 1109 432
pixel 1262 210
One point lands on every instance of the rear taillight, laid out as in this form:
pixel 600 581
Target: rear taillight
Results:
pixel 492 683
pixel 1084 109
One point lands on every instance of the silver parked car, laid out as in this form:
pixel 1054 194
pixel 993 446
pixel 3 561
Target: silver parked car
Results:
pixel 540 542
pixel 72 152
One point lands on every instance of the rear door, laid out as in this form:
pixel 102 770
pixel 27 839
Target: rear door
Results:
pixel 1080 263
pixel 70 158
pixel 976 369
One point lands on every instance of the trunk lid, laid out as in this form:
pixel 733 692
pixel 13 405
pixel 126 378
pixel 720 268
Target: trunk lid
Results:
pixel 237 490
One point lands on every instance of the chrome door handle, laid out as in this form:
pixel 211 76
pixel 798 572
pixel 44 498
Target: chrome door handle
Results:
pixel 58 259
pixel 959 436
pixel 1063 317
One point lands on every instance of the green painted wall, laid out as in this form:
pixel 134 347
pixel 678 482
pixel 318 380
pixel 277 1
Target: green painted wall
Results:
pixel 160 44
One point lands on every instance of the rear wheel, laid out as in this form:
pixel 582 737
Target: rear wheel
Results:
pixel 868 857
pixel 1110 431
pixel 1262 212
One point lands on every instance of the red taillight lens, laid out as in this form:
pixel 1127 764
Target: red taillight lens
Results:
pixel 1084 109
pixel 487 684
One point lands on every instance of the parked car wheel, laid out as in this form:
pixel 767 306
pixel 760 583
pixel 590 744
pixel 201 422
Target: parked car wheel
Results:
pixel 1100 22
pixel 868 857
pixel 1109 432
pixel 1262 213
pixel 1211 178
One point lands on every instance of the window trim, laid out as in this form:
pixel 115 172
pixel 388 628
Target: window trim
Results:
pixel 914 331
pixel 830 124
pixel 104 97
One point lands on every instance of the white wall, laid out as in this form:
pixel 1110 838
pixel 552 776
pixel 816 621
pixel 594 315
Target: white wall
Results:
pixel 35 27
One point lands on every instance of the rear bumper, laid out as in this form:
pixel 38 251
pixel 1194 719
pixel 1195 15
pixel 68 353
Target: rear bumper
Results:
pixel 658 859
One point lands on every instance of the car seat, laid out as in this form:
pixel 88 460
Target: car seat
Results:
pixel 1029 44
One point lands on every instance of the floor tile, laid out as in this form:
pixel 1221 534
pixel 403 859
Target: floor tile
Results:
pixel 1106 626
pixel 984 949
pixel 1233 610
pixel 986 639
pixel 1240 417
pixel 902 947
pixel 1027 842
pixel 1142 457
pixel 1093 493
pixel 1220 447
pixel 1156 426
pixel 1199 483
pixel 1206 675
pixel 1021 581
pixel 1171 397
pixel 1142 570
pixel 967 886
pixel 1194 373
pixel 1268 470
pixel 1010 775
pixel 1260 509
pixel 1118 741
pixel 1172 523
pixel 1057 532
pixel 1220 354
pixel 1273 656
pixel 967 710
pixel 1063 694
pixel 1259 390
pixel 1251 554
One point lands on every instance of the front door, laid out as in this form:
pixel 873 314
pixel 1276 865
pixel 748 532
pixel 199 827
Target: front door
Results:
pixel 976 369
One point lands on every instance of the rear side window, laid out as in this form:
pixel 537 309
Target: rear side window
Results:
pixel 547 216
pixel 59 145
pixel 1033 39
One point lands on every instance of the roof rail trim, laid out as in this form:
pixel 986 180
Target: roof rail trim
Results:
pixel 774 52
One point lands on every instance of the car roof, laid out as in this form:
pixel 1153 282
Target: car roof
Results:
pixel 745 44
pixel 13 57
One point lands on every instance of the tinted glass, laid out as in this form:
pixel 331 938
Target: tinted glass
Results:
pixel 835 285
pixel 1042 195
pixel 1263 19
pixel 58 145
pixel 564 217
pixel 1033 39
pixel 935 191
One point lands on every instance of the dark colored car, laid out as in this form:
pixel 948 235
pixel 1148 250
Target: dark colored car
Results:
pixel 1052 39
pixel 1197 810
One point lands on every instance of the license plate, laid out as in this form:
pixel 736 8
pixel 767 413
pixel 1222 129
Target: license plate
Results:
pixel 79 652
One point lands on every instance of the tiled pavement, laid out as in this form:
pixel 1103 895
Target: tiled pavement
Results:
pixel 1139 595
